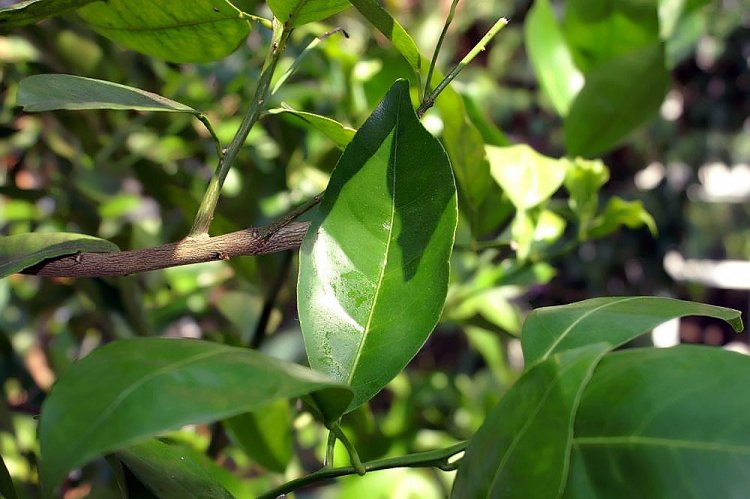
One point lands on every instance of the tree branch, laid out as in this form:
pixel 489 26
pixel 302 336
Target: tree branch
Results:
pixel 248 242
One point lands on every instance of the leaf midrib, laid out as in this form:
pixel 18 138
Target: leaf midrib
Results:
pixel 672 443
pixel 379 284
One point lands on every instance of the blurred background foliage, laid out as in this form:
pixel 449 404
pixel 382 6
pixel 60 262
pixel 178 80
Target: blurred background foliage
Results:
pixel 137 179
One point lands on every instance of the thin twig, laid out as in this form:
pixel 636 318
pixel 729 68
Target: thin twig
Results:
pixel 211 197
pixel 429 100
pixel 247 242
pixel 441 459
pixel 448 20
pixel 273 294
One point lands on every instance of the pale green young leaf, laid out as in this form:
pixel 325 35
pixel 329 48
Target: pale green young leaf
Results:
pixel 339 134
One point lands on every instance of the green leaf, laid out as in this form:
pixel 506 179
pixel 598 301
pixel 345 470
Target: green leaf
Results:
pixel 465 147
pixel 522 448
pixel 527 177
pixel 663 423
pixel 490 133
pixel 175 471
pixel 551 58
pixel 129 390
pixel 49 92
pixel 265 435
pixel 618 96
pixel 612 320
pixel 7 490
pixel 306 11
pixel 21 251
pixel 374 263
pixel 340 135
pixel 30 11
pixel 173 30
pixel 583 181
pixel 599 32
pixel 620 212
pixel 392 30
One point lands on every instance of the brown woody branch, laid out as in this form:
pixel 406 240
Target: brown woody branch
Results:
pixel 248 242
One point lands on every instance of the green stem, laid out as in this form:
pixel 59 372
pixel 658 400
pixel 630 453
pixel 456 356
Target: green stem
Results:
pixel 440 458
pixel 204 119
pixel 211 197
pixel 266 23
pixel 428 85
pixel 359 468
pixel 330 448
pixel 429 100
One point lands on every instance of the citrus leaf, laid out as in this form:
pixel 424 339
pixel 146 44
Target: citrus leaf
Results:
pixel 175 471
pixel 551 58
pixel 618 95
pixel 30 11
pixel 340 135
pixel 521 450
pixel 130 390
pixel 374 263
pixel 265 435
pixel 612 320
pixel 173 30
pixel 21 251
pixel 663 423
pixel 307 11
pixel 527 177
pixel 49 92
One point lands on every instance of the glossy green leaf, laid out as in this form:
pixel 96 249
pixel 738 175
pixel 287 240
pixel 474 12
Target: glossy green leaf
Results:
pixel 663 423
pixel 549 55
pixel 30 11
pixel 340 135
pixel 7 490
pixel 618 213
pixel 521 449
pixel 147 386
pixel 265 435
pixel 176 472
pixel 306 11
pixel 490 133
pixel 618 96
pixel 374 263
pixel 527 177
pixel 173 30
pixel 49 92
pixel 392 30
pixel 21 251
pixel 612 320
pixel 599 32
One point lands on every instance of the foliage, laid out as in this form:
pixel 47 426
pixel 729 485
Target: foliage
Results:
pixel 432 228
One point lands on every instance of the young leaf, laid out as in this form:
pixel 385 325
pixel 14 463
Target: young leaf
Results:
pixel 177 472
pixel 49 92
pixel 522 448
pixel 129 390
pixel 527 177
pixel 374 263
pixel 549 54
pixel 620 212
pixel 340 135
pixel 618 96
pixel 307 11
pixel 21 251
pixel 31 11
pixel 667 423
pixel 612 320
pixel 265 435
pixel 173 30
